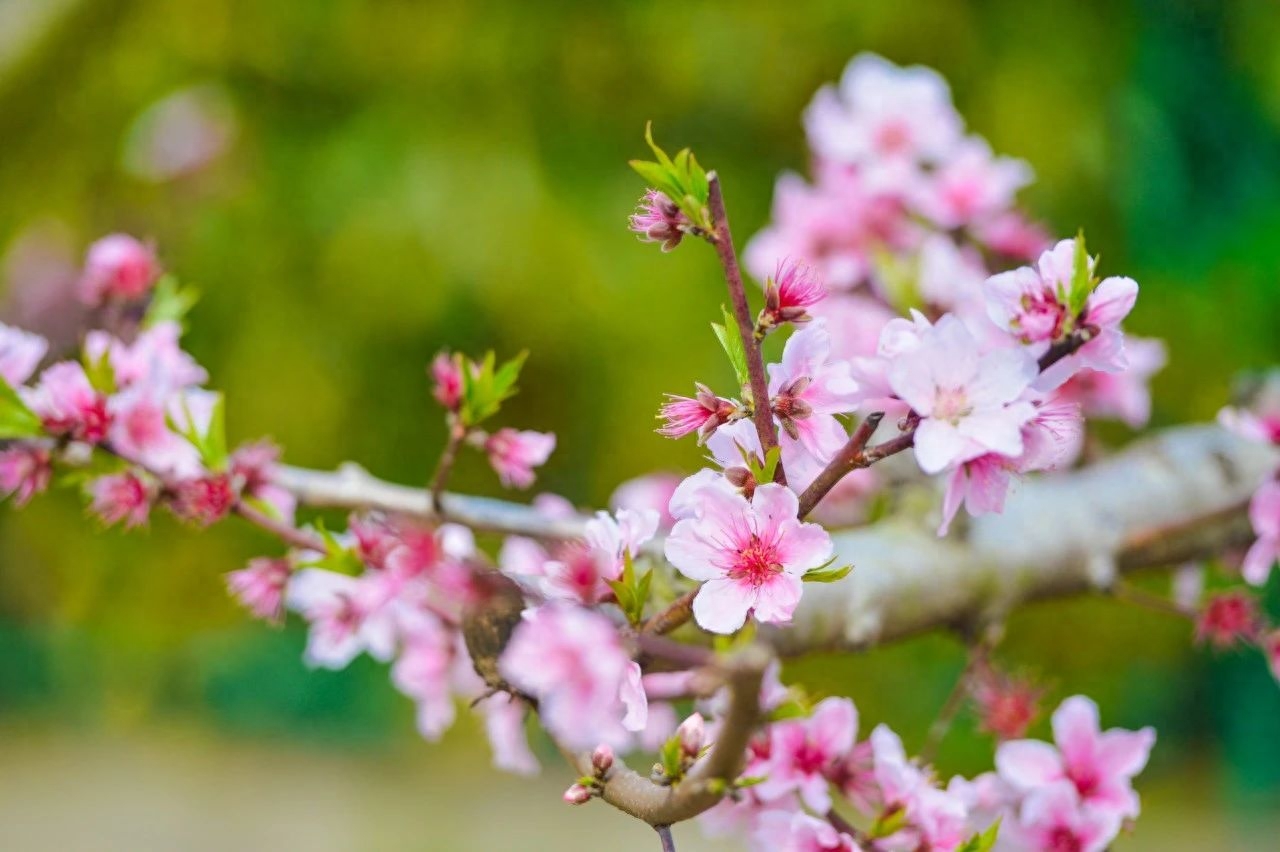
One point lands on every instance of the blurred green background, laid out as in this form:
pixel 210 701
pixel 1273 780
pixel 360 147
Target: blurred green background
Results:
pixel 404 176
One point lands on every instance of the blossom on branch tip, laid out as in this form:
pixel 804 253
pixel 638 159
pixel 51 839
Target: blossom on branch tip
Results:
pixel 1264 512
pixel 25 471
pixel 514 454
pixel 121 497
pixel 260 586
pixel 748 555
pixel 118 266
pixel 446 373
pixel 703 413
pixel 659 220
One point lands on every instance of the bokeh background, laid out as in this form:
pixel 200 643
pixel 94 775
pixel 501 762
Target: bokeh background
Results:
pixel 355 185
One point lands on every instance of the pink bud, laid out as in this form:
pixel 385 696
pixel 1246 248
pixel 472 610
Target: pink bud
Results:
pixel 118 266
pixel 602 760
pixel 205 499
pixel 703 414
pixel 447 376
pixel 794 288
pixel 577 794
pixel 659 220
pixel 693 734
pixel 1006 706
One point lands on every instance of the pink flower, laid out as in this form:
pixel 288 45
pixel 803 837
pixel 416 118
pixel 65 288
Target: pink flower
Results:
pixel 793 289
pixel 1011 235
pixel 969 403
pixel 118 266
pixel 1228 618
pixel 807 389
pixel 348 615
pixel 795 831
pixel 749 556
pixel 515 454
pixel 25 471
pixel 203 500
pixel 68 405
pixel 882 113
pixel 587 687
pixel 1100 764
pixel 154 362
pixel 803 752
pixel 703 414
pixel 121 497
pixel 612 536
pixel 504 725
pixel 260 587
pixel 1264 512
pixel 1032 305
pixel 446 372
pixel 1260 421
pixel 972 185
pixel 652 491
pixel 949 277
pixel 423 672
pixel 659 220
pixel 20 354
pixel 1053 818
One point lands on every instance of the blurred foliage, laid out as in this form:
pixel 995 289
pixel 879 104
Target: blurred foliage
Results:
pixel 409 176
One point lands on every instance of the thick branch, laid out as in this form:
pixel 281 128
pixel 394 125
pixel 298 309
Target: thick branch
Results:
pixel 722 238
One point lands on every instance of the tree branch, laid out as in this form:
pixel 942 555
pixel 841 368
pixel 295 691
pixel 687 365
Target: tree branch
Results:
pixel 722 238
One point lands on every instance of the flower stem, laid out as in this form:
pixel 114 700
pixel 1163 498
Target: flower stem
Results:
pixel 722 238
pixel 664 834
pixel 457 434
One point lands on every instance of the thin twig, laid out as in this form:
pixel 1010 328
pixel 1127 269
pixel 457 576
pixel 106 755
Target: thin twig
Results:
pixel 457 434
pixel 677 613
pixel 978 652
pixel 664 834
pixel 1140 597
pixel 847 459
pixel 287 533
pixel 722 238
pixel 1067 345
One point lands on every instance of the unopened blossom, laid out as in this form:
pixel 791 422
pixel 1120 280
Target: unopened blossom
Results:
pixel 446 373
pixel 788 295
pixel 260 586
pixel 1228 618
pixel 1264 512
pixel 514 454
pixel 748 555
pixel 572 661
pixel 692 733
pixel 970 403
pixel 659 220
pixel 1050 440
pixel 121 498
pixel 702 413
pixel 20 354
pixel 796 831
pixel 602 760
pixel 1100 765
pixel 347 616
pixel 118 266
pixel 882 113
pixel 67 403
pixel 652 491
pixel 803 752
pixel 203 500
pixel 1006 705
pixel 807 389
pixel 25 471
pixel 578 794
pixel 1055 817
pixel 1032 304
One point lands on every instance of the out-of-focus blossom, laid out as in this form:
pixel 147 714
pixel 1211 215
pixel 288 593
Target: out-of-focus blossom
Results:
pixel 792 831
pixel 68 405
pixel 1125 396
pixel 514 454
pixel 118 266
pixel 659 220
pixel 423 670
pixel 180 134
pixel 1264 512
pixel 802 752
pixel 652 491
pixel 446 373
pixel 1228 618
pixel 260 586
pixel 254 466
pixel 504 724
pixel 121 498
pixel 20 354
pixel 347 615
pixel 749 555
pixel 971 186
pixel 1055 818
pixel 612 536
pixel 203 500
pixel 1006 705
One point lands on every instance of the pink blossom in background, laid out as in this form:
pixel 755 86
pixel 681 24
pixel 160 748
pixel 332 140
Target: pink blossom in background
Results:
pixel 68 405
pixel 504 725
pixel 1264 512
pixel 659 220
pixel 20 354
pixel 260 586
pixel 1228 618
pixel 514 454
pixel 612 536
pixel 1012 235
pixel 204 500
pixel 804 751
pixel 949 277
pixel 969 403
pixel 423 671
pixel 1260 419
pixel 652 491
pixel 1006 706
pixel 573 662
pixel 788 831
pixel 972 185
pixel 1054 818
pixel 446 375
pixel 25 471
pixel 118 267
pixel 254 466
pixel 749 556
pixel 1100 765
pixel 347 616
pixel 180 134
pixel 855 322
pixel 1125 396
pixel 808 388
pixel 121 498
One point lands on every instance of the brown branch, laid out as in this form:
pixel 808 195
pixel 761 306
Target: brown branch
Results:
pixel 457 434
pixel 664 835
pixel 289 534
pixel 1067 345
pixel 677 613
pixel 722 238
pixel 954 702
pixel 849 458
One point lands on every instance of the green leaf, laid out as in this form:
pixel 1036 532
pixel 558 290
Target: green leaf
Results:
pixel 210 444
pixel 99 464
pixel 16 420
pixel 731 343
pixel 889 823
pixel 1082 282
pixel 826 574
pixel 337 557
pixel 982 842
pixel 170 302
pixel 101 375
pixel 683 180
pixel 671 758
pixel 485 387
pixel 631 589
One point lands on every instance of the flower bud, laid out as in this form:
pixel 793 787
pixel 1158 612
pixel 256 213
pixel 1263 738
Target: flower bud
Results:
pixel 118 266
pixel 602 760
pixel 577 794
pixel 693 734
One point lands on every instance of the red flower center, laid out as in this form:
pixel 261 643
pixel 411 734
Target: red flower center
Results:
pixel 757 562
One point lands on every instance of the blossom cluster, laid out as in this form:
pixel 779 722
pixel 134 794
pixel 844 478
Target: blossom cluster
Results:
pixel 1076 793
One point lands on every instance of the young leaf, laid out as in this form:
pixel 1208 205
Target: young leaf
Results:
pixel 16 420
pixel 485 387
pixel 1082 282
pixel 101 375
pixel 731 342
pixel 982 842
pixel 826 574
pixel 170 302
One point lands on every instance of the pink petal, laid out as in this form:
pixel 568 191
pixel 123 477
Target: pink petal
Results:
pixel 1125 753
pixel 939 444
pixel 1028 764
pixel 804 546
pixel 1076 730
pixel 776 599
pixel 1112 301
pixel 721 605
pixel 774 504
pixel 1258 561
